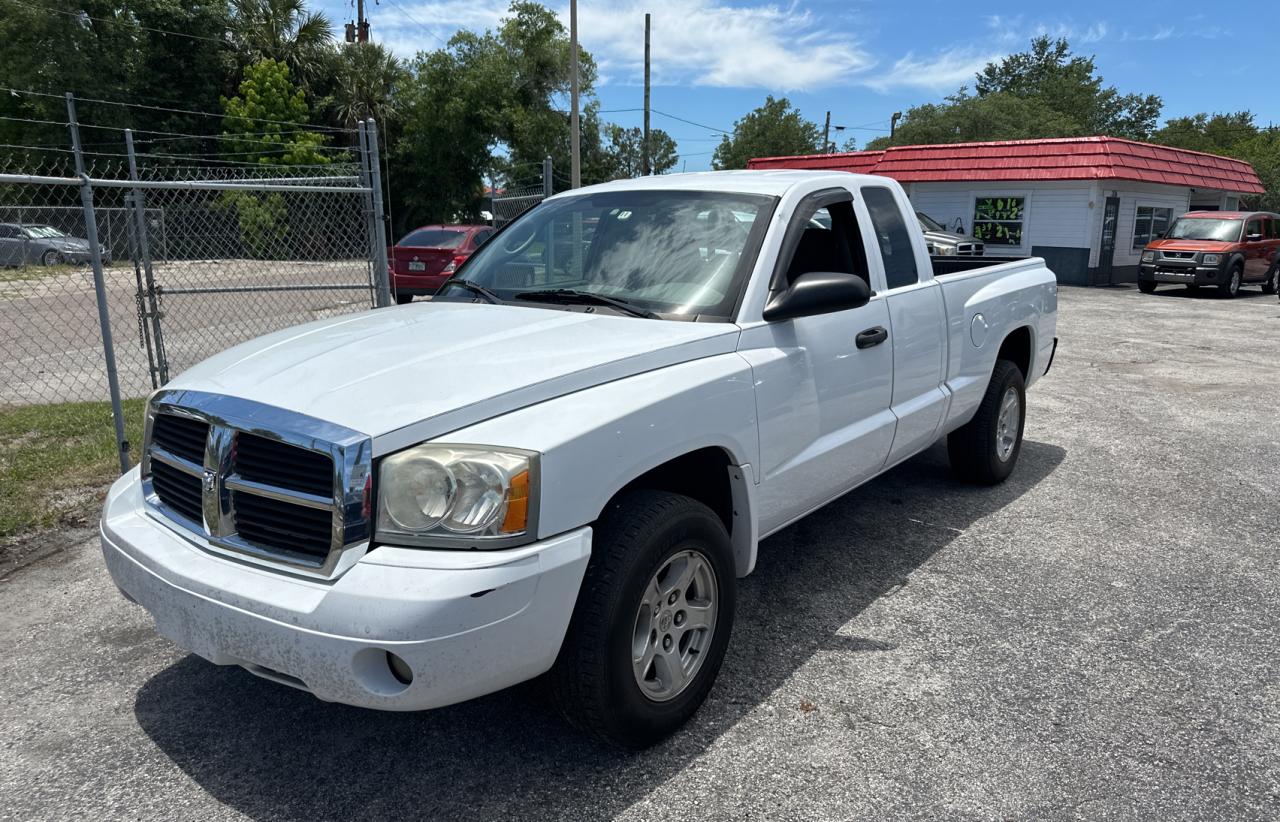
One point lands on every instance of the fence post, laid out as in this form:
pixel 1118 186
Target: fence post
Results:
pixel 151 311
pixel 546 177
pixel 381 278
pixel 370 230
pixel 99 283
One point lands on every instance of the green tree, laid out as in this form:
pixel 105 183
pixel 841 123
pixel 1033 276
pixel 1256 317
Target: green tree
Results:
pixel 1235 135
pixel 266 122
pixel 1043 92
pixel 284 31
pixel 369 80
pixel 626 151
pixel 774 129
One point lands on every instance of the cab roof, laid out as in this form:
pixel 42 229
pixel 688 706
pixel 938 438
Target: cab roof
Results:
pixel 1227 215
pixel 773 183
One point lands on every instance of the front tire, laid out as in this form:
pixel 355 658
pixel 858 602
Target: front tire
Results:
pixel 985 450
pixel 1147 286
pixel 50 258
pixel 1231 287
pixel 652 621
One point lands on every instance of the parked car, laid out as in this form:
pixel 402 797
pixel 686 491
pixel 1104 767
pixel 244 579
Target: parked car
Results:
pixel 43 245
pixel 1224 249
pixel 564 462
pixel 944 243
pixel 427 256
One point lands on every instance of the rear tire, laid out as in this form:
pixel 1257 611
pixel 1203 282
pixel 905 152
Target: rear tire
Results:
pixel 50 258
pixel 600 683
pixel 1272 284
pixel 1231 286
pixel 1146 286
pixel 404 299
pixel 985 450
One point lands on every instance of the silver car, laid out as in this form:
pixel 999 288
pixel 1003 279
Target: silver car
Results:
pixel 944 243
pixel 42 244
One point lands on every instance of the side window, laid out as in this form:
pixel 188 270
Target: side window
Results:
pixel 894 239
pixel 830 242
pixel 7 231
pixel 481 237
pixel 1253 228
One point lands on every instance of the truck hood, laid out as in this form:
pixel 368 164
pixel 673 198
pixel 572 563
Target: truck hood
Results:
pixel 407 374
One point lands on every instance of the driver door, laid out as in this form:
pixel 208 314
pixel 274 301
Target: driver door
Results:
pixel 823 389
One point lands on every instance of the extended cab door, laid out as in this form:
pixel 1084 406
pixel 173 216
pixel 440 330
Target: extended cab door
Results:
pixel 823 382
pixel 917 322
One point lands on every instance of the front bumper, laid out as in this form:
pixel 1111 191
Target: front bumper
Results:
pixel 1192 274
pixel 466 623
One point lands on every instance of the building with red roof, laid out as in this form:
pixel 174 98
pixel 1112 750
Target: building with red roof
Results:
pixel 1087 205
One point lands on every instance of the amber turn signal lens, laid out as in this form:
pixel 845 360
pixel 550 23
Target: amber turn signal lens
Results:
pixel 517 518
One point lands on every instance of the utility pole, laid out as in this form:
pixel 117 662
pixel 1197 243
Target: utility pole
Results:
pixel 826 133
pixel 359 32
pixel 893 123
pixel 575 138
pixel 645 168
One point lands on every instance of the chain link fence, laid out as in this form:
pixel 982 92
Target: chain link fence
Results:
pixel 119 271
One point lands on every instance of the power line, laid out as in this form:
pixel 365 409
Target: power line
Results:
pixel 173 110
pixel 418 23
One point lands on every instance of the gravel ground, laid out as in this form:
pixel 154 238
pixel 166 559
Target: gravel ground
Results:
pixel 1096 639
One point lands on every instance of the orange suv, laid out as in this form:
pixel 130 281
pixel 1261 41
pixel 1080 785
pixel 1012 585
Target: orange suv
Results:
pixel 1223 249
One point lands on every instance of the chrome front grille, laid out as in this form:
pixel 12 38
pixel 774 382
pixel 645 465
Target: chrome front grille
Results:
pixel 970 249
pixel 278 487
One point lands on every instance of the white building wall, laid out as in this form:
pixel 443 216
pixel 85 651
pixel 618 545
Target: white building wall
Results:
pixel 1057 213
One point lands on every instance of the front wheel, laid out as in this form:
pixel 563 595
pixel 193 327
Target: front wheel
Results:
pixel 1146 286
pixel 50 258
pixel 1231 287
pixel 652 621
pixel 985 450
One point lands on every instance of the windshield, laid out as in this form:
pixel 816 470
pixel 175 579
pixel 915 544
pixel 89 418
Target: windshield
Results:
pixel 669 252
pixel 38 232
pixel 433 238
pixel 927 223
pixel 1205 228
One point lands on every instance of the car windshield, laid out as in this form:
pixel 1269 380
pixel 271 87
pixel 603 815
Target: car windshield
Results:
pixel 43 232
pixel 927 223
pixel 1205 228
pixel 433 238
pixel 667 252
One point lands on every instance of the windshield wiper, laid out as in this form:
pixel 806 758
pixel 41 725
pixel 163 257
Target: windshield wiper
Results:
pixel 474 288
pixel 571 296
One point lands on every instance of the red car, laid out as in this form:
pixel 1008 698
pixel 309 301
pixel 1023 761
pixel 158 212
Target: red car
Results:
pixel 427 256
pixel 1224 249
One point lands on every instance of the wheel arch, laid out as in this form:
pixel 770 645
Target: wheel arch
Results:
pixel 1018 347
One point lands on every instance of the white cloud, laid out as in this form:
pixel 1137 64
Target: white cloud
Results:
pixel 945 71
pixel 695 42
pixel 1015 30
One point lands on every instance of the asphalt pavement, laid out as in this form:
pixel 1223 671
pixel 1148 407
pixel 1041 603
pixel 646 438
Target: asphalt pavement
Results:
pixel 1094 639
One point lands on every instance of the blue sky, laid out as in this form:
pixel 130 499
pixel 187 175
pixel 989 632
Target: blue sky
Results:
pixel 714 60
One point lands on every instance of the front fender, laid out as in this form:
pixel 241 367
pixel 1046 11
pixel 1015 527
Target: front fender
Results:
pixel 595 441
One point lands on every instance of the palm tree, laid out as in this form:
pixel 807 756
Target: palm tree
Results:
pixel 285 31
pixel 366 82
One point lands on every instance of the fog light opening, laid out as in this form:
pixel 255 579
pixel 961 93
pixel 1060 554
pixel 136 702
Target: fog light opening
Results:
pixel 399 669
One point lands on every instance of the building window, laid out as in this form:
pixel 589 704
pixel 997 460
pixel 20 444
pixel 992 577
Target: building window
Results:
pixel 1150 224
pixel 998 220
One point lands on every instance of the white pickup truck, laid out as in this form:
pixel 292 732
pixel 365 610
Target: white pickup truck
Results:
pixel 561 465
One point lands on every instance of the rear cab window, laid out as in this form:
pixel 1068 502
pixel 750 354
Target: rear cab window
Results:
pixel 893 237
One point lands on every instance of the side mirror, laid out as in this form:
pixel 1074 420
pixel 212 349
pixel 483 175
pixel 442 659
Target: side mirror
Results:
pixel 818 292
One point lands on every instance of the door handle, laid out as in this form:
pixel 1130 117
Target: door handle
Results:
pixel 872 336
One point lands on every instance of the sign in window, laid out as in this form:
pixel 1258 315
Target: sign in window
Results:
pixel 1151 223
pixel 998 220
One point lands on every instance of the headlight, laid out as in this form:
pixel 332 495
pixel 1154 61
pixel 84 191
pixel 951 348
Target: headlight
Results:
pixel 1148 256
pixel 1211 259
pixel 433 493
pixel 946 250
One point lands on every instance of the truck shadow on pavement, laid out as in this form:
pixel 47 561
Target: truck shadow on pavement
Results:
pixel 271 752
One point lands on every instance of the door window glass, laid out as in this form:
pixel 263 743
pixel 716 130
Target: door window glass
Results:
pixel 896 248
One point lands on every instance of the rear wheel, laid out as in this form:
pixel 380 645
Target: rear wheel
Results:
pixel 50 258
pixel 652 621
pixel 1146 286
pixel 986 449
pixel 1272 284
pixel 1231 286
pixel 404 299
